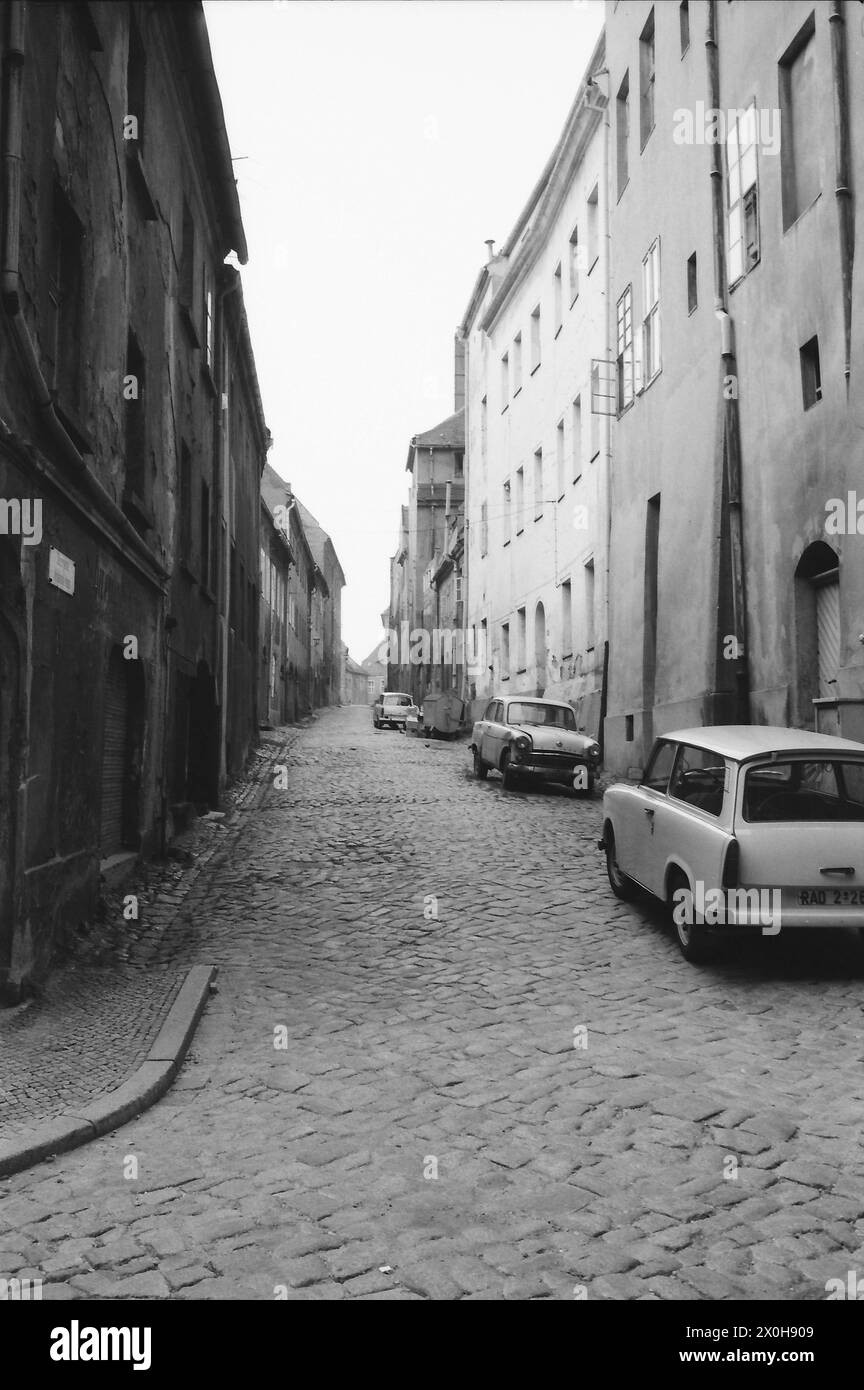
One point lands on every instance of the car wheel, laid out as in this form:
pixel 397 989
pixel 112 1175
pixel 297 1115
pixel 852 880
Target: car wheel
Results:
pixel 692 938
pixel 622 886
pixel 508 772
pixel 481 771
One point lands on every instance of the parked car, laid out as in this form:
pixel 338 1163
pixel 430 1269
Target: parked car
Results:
pixel 762 827
pixel 392 707
pixel 522 736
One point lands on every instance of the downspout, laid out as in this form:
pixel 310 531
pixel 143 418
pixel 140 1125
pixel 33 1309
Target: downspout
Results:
pixel 223 498
pixel 842 190
pixel 15 58
pixel 607 481
pixel 731 455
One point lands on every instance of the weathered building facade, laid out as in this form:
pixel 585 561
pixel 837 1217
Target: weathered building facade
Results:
pixel 326 613
pixel 733 438
pixel 538 432
pixel 119 209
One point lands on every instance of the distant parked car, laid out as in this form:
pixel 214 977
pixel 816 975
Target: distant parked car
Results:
pixel 522 736
pixel 392 708
pixel 742 827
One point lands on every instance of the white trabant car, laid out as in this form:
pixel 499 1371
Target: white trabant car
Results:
pixel 524 736
pixel 745 827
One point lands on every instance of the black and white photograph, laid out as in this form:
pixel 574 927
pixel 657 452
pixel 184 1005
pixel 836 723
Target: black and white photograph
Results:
pixel 432 668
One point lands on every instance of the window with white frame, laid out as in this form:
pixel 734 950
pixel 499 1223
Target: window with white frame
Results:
pixel 574 264
pixel 624 360
pixel 651 321
pixel 535 339
pixel 742 182
pixel 558 299
pixel 517 364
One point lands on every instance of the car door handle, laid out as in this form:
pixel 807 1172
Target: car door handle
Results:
pixel 847 873
pixel 649 810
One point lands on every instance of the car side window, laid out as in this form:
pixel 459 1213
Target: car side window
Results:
pixel 699 778
pixel 656 774
pixel 490 710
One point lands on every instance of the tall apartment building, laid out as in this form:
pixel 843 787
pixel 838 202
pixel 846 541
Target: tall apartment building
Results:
pixel 131 428
pixel 537 334
pixel 736 553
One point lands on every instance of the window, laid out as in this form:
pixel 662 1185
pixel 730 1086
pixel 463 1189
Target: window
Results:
pixel 561 485
pixel 684 25
pixel 624 360
pixel 63 345
pixel 574 265
pixel 622 132
pixel 505 651
pixel 205 534
pixel 651 321
pixel 692 296
pixel 187 258
pixel 506 517
pixel 743 217
pixel 135 434
pixel 538 484
pixel 646 79
pixel 517 364
pixel 136 77
pixel 805 791
pixel 566 620
pixel 656 774
pixel 699 778
pixel 185 505
pixel 811 376
pixel 207 298
pixel 593 227
pixel 457 588
pixel 520 501
pixel 557 299
pixel 799 121
pixel 535 339
pixel 589 606
pixel 484 528
pixel 505 381
pixel 577 439
pixel 520 639
pixel 484 433
pixel 458 464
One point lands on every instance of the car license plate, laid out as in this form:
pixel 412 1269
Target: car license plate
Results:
pixel 830 897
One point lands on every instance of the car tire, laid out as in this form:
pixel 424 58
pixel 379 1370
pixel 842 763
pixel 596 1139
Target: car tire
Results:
pixel 622 886
pixel 481 771
pixel 692 940
pixel 508 773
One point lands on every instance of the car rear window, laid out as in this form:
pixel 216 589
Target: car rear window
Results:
pixel 397 699
pixel 800 789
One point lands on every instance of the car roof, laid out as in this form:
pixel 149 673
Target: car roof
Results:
pixel 532 700
pixel 754 740
pixel 395 692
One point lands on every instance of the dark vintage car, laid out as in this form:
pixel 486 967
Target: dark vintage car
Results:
pixel 522 736
pixel 392 708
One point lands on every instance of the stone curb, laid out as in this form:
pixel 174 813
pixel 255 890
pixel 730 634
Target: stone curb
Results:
pixel 143 1088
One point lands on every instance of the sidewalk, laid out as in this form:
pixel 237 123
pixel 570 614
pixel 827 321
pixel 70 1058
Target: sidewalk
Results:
pixel 92 1029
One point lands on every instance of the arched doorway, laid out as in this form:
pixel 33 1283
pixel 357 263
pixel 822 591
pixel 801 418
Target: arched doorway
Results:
pixel 540 654
pixel 817 631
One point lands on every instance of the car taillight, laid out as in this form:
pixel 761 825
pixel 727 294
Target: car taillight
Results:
pixel 731 865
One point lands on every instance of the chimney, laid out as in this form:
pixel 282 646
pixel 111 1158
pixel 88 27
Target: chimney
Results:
pixel 458 373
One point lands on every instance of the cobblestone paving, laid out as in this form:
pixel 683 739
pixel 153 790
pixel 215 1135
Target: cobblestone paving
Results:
pixel 417 1045
pixel 95 1018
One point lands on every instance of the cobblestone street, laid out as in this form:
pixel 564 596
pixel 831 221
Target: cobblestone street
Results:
pixel 443 1062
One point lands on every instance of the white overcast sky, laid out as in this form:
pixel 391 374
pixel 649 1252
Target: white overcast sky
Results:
pixel 377 144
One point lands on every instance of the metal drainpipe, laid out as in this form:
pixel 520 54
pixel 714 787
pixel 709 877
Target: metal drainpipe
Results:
pixel 607 482
pixel 842 190
pixel 224 498
pixel 732 449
